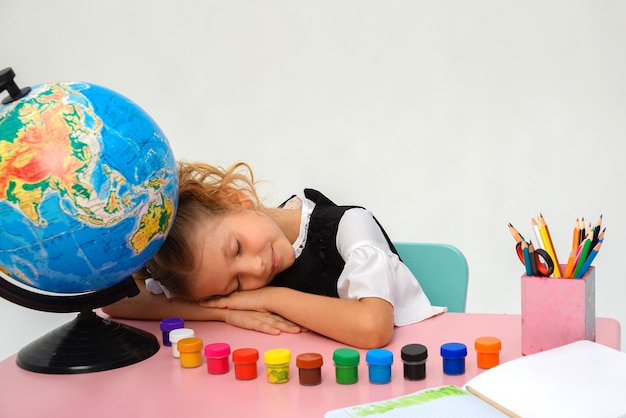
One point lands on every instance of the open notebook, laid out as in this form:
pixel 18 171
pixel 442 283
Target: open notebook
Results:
pixel 443 401
pixel 582 379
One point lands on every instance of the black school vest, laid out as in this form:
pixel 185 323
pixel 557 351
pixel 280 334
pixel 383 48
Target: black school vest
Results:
pixel 319 266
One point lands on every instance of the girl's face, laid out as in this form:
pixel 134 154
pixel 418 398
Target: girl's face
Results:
pixel 243 250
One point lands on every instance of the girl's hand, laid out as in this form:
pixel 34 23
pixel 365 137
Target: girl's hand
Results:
pixel 245 300
pixel 265 322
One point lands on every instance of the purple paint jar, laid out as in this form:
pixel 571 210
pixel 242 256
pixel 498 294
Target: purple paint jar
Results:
pixel 169 324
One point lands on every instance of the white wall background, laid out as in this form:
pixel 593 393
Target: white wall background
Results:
pixel 448 119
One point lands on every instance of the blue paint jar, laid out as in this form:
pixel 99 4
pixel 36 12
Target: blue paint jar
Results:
pixel 379 363
pixel 170 324
pixel 453 358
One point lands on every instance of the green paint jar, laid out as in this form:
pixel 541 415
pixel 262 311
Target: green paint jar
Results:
pixel 346 365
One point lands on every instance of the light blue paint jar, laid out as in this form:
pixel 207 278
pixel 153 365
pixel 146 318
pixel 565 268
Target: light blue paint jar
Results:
pixel 379 363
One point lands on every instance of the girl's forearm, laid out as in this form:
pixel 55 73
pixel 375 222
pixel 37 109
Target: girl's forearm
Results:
pixel 156 307
pixel 365 323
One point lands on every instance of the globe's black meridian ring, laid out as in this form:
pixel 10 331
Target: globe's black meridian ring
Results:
pixel 68 303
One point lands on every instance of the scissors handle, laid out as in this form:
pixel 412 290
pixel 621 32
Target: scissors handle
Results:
pixel 542 265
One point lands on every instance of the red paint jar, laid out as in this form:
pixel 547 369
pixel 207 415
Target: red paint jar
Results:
pixel 245 361
pixel 217 358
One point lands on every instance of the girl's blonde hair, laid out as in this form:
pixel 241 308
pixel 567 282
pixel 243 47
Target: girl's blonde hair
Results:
pixel 205 192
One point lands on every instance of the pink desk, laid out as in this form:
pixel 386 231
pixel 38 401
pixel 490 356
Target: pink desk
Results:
pixel 159 387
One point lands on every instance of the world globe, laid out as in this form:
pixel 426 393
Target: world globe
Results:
pixel 88 193
pixel 88 188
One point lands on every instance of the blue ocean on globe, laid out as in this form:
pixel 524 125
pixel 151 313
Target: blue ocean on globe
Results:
pixel 88 188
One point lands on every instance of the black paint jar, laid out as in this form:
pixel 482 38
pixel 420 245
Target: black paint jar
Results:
pixel 414 358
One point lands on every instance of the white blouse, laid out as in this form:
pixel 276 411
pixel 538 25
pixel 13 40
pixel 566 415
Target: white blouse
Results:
pixel 371 268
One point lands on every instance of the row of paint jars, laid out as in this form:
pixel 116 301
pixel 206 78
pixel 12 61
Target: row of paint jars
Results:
pixel 346 360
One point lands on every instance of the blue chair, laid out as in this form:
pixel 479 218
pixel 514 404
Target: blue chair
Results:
pixel 441 269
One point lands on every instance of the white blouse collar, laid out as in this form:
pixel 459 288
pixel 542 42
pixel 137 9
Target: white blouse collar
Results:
pixel 306 206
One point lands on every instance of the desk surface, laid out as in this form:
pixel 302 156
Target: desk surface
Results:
pixel 159 387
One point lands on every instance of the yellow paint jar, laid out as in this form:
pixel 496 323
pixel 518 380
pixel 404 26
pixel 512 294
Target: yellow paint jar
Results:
pixel 190 352
pixel 277 365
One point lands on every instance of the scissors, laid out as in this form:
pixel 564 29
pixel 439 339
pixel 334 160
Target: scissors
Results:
pixel 539 268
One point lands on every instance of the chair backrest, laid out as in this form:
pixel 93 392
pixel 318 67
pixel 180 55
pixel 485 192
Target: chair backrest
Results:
pixel 441 269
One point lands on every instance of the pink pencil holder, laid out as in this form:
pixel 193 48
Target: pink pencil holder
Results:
pixel 557 311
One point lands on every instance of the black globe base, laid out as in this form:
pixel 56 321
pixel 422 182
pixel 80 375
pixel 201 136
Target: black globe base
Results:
pixel 89 343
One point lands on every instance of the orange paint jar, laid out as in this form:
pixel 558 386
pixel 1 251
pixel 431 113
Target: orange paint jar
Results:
pixel 487 352
pixel 190 352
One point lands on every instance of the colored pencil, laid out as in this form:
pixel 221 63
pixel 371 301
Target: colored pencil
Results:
pixel 540 243
pixel 529 269
pixel 576 236
pixel 547 242
pixel 582 256
pixel 516 235
pixel 519 236
pixel 596 232
pixel 533 260
pixel 571 262
pixel 588 261
pixel 582 230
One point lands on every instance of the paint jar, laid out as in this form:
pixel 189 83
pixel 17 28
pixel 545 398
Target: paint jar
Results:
pixel 217 358
pixel 190 352
pixel 245 362
pixel 310 368
pixel 414 358
pixel 169 324
pixel 453 358
pixel 178 334
pixel 379 363
pixel 487 352
pixel 346 365
pixel 277 365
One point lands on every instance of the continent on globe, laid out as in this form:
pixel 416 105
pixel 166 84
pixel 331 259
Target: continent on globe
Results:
pixel 155 222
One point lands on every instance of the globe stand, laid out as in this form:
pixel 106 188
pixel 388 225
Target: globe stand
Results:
pixel 88 343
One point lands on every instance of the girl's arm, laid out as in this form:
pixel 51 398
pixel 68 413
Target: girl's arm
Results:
pixel 365 323
pixel 156 307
